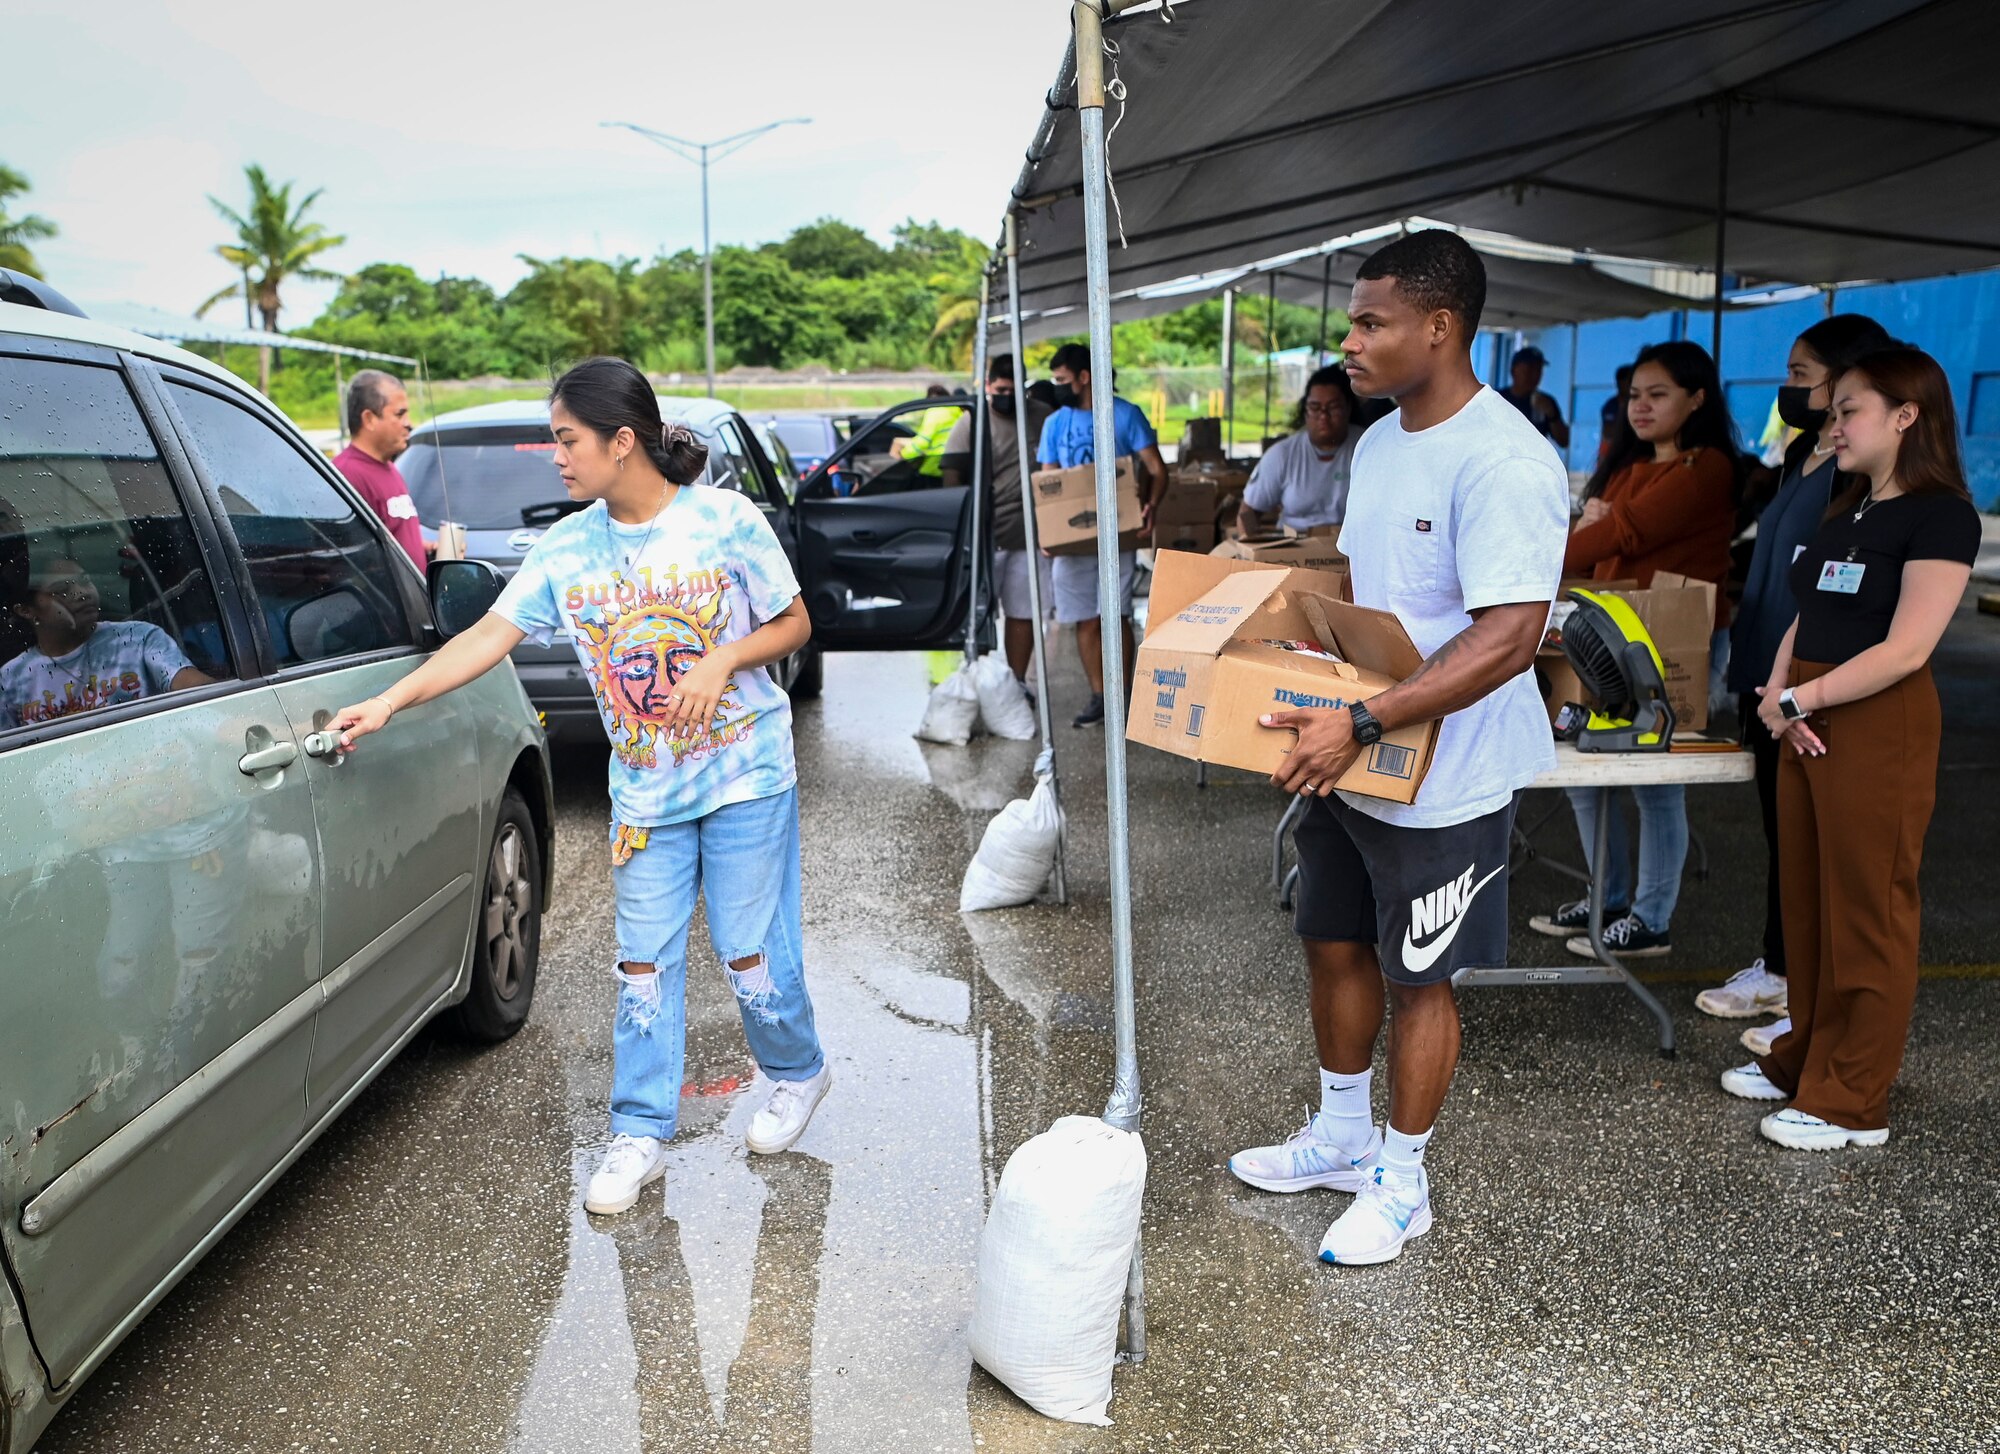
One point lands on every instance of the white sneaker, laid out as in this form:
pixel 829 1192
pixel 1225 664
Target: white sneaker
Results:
pixel 1305 1162
pixel 1751 1084
pixel 630 1162
pixel 1388 1212
pixel 1759 1039
pixel 787 1113
pixel 1752 991
pixel 1801 1132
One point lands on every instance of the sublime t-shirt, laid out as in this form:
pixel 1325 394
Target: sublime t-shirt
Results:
pixel 1472 512
pixel 1298 485
pixel 710 574
pixel 121 661
pixel 1849 579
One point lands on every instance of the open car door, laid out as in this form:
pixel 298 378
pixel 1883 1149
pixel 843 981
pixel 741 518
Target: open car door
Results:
pixel 888 566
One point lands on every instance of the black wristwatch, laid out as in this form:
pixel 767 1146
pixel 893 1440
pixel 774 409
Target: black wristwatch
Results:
pixel 1367 731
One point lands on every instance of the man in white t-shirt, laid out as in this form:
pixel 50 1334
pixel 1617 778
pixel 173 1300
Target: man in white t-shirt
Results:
pixel 1456 518
pixel 1301 482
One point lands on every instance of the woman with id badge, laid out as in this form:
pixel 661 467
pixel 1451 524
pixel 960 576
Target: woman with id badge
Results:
pixel 1851 700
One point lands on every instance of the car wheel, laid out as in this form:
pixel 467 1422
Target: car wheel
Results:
pixel 811 678
pixel 508 932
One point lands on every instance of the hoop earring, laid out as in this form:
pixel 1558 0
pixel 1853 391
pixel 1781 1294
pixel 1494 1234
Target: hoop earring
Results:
pixel 621 462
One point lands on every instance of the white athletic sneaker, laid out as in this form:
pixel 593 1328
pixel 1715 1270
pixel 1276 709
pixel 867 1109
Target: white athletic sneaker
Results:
pixel 785 1116
pixel 1305 1162
pixel 1759 1039
pixel 1794 1128
pixel 1752 991
pixel 1751 1084
pixel 630 1162
pixel 1388 1212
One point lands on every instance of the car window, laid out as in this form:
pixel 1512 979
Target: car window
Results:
pixel 905 453
pixel 104 595
pixel 482 477
pixel 810 438
pixel 322 575
pixel 730 464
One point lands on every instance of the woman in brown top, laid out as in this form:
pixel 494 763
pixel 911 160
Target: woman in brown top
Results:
pixel 1663 499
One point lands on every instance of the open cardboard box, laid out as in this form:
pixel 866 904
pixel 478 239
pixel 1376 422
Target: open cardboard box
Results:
pixel 1315 551
pixel 1208 670
pixel 1066 508
pixel 1678 613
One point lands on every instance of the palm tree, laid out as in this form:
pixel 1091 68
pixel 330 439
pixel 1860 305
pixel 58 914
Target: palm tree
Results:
pixel 274 243
pixel 17 232
pixel 957 289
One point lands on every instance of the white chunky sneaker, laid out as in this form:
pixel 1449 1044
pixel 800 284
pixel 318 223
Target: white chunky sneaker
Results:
pixel 1387 1212
pixel 630 1162
pixel 1305 1162
pixel 1751 1084
pixel 1759 1039
pixel 787 1113
pixel 1748 992
pixel 1801 1132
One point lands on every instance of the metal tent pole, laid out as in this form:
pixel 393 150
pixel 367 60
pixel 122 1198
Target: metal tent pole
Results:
pixel 1023 450
pixel 1325 308
pixel 339 405
pixel 1721 224
pixel 1123 1108
pixel 977 500
pixel 1270 353
pixel 1229 371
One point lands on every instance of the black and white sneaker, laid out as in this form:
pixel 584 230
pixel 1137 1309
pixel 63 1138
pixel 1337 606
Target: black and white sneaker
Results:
pixel 1628 938
pixel 1091 715
pixel 1573 919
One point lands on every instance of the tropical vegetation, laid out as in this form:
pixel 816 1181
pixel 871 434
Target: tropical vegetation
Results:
pixel 17 232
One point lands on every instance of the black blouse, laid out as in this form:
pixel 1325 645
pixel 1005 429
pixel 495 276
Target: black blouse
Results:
pixel 1848 580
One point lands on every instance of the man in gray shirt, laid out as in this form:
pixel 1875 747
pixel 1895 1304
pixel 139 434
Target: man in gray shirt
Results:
pixel 1301 482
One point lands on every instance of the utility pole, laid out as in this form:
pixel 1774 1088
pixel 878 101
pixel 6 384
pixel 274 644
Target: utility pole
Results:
pixel 701 153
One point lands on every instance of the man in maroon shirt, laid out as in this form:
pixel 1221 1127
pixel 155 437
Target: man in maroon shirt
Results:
pixel 378 422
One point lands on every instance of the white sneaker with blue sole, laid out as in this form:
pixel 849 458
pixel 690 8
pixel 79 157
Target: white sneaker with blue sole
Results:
pixel 1306 1162
pixel 1387 1212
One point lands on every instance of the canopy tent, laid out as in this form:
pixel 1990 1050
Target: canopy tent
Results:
pixel 1746 127
pixel 1528 285
pixel 174 327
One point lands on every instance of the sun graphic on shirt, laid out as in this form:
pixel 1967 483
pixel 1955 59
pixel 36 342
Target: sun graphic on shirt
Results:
pixel 637 657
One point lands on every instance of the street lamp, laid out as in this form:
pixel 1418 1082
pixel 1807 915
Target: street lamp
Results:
pixel 701 153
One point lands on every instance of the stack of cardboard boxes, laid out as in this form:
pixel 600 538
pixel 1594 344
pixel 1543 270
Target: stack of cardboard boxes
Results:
pixel 1678 613
pixel 1066 508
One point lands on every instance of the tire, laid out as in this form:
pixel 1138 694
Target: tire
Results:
pixel 811 680
pixel 507 933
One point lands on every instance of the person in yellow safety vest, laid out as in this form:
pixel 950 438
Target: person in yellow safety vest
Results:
pixel 933 428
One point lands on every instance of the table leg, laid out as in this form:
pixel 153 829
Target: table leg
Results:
pixel 1293 811
pixel 1599 865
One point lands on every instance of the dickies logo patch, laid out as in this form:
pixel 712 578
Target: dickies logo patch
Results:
pixel 1423 527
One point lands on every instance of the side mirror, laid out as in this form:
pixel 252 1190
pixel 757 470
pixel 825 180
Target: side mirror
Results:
pixel 462 591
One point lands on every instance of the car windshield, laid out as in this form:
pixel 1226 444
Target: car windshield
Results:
pixel 490 475
pixel 808 437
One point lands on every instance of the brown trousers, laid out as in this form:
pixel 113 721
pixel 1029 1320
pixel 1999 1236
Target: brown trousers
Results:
pixel 1851 839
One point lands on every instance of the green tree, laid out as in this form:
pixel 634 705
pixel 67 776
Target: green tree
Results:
pixel 274 244
pixel 835 249
pixel 956 286
pixel 17 232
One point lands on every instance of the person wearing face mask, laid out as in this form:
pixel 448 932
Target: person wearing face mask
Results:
pixel 1664 499
pixel 1011 562
pixel 1851 701
pixel 1788 522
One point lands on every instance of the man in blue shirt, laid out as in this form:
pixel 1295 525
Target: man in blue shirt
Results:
pixel 1067 441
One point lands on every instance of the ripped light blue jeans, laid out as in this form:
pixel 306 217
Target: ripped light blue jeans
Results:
pixel 743 859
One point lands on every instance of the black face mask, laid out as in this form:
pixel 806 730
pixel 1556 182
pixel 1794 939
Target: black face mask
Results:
pixel 1002 404
pixel 1796 410
pixel 1065 397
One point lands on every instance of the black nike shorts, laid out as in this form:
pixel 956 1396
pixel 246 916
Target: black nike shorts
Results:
pixel 1432 900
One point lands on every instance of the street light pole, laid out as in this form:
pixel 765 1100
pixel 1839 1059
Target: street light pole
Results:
pixel 699 152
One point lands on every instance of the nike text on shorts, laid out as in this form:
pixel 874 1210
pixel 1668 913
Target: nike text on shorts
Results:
pixel 1433 900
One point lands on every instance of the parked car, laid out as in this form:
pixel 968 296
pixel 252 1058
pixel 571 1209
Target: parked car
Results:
pixel 218 927
pixel 876 575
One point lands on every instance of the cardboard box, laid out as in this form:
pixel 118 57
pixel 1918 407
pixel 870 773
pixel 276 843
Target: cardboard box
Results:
pixel 1307 552
pixel 1066 509
pixel 1190 535
pixel 1678 613
pixel 1189 499
pixel 1208 670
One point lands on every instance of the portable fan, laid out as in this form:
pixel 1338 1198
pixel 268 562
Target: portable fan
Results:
pixel 1621 672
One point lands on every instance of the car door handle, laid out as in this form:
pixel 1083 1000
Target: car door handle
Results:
pixel 323 745
pixel 268 759
pixel 865 537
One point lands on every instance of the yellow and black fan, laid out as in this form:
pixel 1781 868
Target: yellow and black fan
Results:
pixel 1621 672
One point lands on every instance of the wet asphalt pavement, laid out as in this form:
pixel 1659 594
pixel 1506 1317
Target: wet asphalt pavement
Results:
pixel 1619 1262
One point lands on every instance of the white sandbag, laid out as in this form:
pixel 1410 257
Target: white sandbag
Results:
pixel 1052 1266
pixel 952 714
pixel 1003 704
pixel 1017 853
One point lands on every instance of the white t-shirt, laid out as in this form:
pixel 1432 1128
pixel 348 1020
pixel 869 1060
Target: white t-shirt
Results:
pixel 1469 513
pixel 120 661
pixel 1300 488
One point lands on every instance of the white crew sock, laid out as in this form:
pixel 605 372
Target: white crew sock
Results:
pixel 1403 1153
pixel 1344 1117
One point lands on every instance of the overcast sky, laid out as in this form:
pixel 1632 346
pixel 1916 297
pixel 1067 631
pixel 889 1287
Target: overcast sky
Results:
pixel 453 136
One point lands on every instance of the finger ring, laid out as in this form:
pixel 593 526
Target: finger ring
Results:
pixel 1306 791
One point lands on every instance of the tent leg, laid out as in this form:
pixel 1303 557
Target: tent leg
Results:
pixel 1721 221
pixel 1325 309
pixel 1229 371
pixel 976 500
pixel 339 404
pixel 1034 547
pixel 1270 353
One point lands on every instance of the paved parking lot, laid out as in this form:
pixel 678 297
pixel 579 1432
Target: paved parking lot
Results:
pixel 1619 1262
